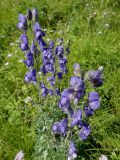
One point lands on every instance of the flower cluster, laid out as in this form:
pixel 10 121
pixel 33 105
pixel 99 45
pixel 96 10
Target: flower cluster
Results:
pixel 76 115
pixel 50 54
pixel 52 64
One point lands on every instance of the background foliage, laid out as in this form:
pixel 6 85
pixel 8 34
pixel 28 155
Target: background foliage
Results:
pixel 93 29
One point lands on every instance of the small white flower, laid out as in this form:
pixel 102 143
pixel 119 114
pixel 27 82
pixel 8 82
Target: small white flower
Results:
pixel 9 55
pixel 100 68
pixel 99 32
pixel 7 63
pixel 48 39
pixel 39 73
pixel 11 44
pixel 105 13
pixel 19 156
pixel 20 60
pixel 87 4
pixel 103 157
pixel 44 29
pixel 94 14
pixel 107 25
pixel 17 41
pixel 3 36
pixel 28 99
pixel 72 157
pixel 51 31
pixel 50 17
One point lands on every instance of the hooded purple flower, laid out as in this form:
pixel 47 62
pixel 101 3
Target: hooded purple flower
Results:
pixel 77 69
pixel 69 93
pixel 84 132
pixel 63 126
pixel 57 92
pixel 64 104
pixel 95 77
pixel 33 48
pixel 59 51
pixel 45 90
pixel 88 111
pixel 62 64
pixel 51 44
pixel 31 76
pixel 35 14
pixel 60 75
pixel 77 83
pixel 29 14
pixel 60 127
pixel 72 154
pixel 49 67
pixel 78 95
pixel 24 44
pixel 93 100
pixel 30 60
pixel 22 24
pixel 77 117
pixel 55 127
pixel 51 80
pixel 38 31
pixel 42 44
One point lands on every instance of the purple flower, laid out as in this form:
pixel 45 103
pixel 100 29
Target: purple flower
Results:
pixel 43 70
pixel 62 64
pixel 42 44
pixel 78 95
pixel 35 14
pixel 69 93
pixel 60 127
pixel 55 127
pixel 30 60
pixel 59 51
pixel 51 92
pixel 84 132
pixel 77 83
pixel 93 100
pixel 77 69
pixel 33 48
pixel 64 104
pixel 49 67
pixel 51 80
pixel 51 44
pixel 72 154
pixel 59 74
pixel 77 117
pixel 38 31
pixel 95 77
pixel 44 89
pixel 67 50
pixel 24 44
pixel 22 24
pixel 29 14
pixel 88 111
pixel 58 92
pixel 31 76
pixel 63 126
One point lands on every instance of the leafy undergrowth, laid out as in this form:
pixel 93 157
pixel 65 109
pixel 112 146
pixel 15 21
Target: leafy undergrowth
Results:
pixel 93 30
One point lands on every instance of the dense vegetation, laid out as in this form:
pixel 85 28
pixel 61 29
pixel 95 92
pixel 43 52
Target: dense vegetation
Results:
pixel 93 29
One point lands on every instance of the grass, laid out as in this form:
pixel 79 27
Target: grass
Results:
pixel 93 30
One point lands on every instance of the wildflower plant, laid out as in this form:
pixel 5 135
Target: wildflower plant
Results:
pixel 46 65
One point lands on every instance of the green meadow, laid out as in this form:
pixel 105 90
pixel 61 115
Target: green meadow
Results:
pixel 93 29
